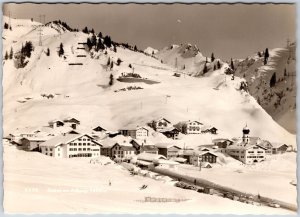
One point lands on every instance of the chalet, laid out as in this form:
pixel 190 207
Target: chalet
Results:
pixel 170 132
pixel 160 124
pixel 56 123
pixel 71 145
pixel 188 154
pixel 190 127
pixel 209 129
pixel 222 143
pixel 203 156
pixel 99 129
pixel 279 148
pixel 32 143
pixel 168 150
pixel 122 151
pixel 269 147
pixel 72 122
pixel 135 132
pixel 107 144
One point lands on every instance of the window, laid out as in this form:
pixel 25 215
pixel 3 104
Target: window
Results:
pixel 75 149
pixel 58 149
pixel 83 144
pixel 88 149
pixel 84 139
pixel 58 154
pixel 50 154
pixel 79 144
pixel 79 149
pixel 79 140
pixel 50 149
pixel 46 149
pixel 84 149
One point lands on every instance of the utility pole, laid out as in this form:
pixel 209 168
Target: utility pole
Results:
pixel 42 18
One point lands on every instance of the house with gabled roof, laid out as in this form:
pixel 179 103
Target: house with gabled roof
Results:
pixel 144 146
pixel 56 123
pixel 72 122
pixel 135 132
pixel 189 127
pixel 167 149
pixel 160 123
pixel 99 129
pixel 170 132
pixel 71 145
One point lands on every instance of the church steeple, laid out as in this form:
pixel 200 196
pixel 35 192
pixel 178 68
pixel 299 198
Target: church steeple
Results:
pixel 246 132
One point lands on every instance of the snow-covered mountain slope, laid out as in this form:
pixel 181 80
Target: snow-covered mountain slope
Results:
pixel 280 100
pixel 186 58
pixel 82 91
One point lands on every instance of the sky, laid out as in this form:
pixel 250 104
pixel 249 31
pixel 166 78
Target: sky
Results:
pixel 229 31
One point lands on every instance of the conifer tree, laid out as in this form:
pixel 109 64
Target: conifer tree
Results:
pixel 205 70
pixel 218 65
pixel 11 53
pixel 108 61
pixel 61 50
pixel 266 56
pixel 111 80
pixel 212 57
pixel 273 80
pixel 6 56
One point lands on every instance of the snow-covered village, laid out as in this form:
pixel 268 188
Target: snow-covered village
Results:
pixel 94 124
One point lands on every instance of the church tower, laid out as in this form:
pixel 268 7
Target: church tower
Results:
pixel 246 132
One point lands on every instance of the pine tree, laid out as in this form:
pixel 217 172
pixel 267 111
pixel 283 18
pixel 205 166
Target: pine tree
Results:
pixel 6 26
pixel 135 48
pixel 266 56
pixel 215 67
pixel 108 61
pixel 205 70
pixel 61 50
pixel 130 66
pixel 100 45
pixel 85 30
pixel 231 64
pixel 218 65
pixel 48 52
pixel 6 56
pixel 212 57
pixel 89 43
pixel 273 80
pixel 205 60
pixel 111 80
pixel 92 31
pixel 111 64
pixel 11 53
pixel 94 40
pixel 183 67
pixel 107 41
pixel 100 34
pixel 115 49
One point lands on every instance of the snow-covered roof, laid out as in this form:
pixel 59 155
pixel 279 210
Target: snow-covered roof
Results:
pixel 165 145
pixel 187 152
pixel 63 139
pixel 108 143
pixel 278 144
pixel 150 157
pixel 168 162
pixel 179 159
